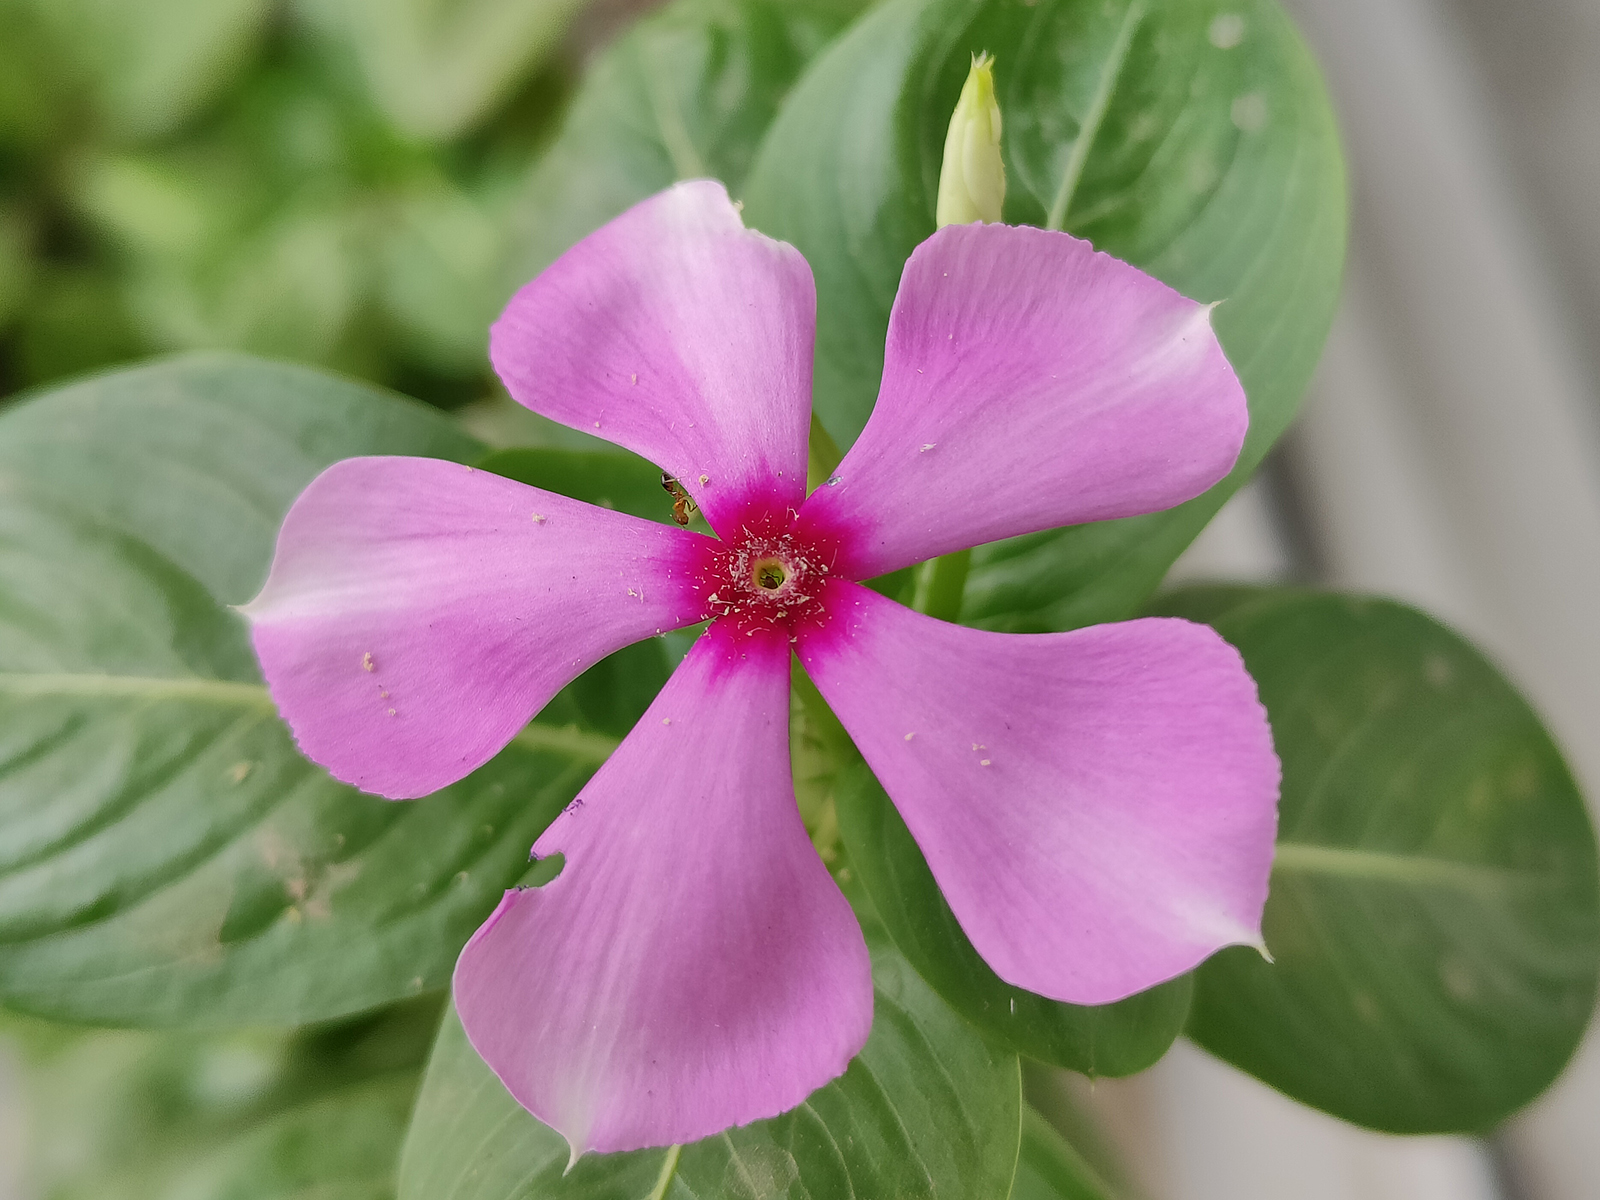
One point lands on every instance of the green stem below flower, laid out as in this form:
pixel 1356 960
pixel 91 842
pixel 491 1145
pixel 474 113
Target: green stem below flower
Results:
pixel 941 585
pixel 823 457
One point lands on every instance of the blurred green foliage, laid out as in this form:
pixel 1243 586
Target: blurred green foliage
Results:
pixel 126 1115
pixel 323 180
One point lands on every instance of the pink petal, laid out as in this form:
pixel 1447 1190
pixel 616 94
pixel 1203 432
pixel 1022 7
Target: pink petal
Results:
pixel 1028 382
pixel 693 966
pixel 1098 806
pixel 419 612
pixel 682 335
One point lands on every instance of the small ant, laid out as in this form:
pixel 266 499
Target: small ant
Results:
pixel 683 505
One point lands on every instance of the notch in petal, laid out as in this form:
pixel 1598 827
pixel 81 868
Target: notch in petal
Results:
pixel 680 334
pixel 1029 382
pixel 693 967
pixel 420 612
pixel 1099 807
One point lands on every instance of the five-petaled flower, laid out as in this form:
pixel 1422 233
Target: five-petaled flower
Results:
pixel 1098 806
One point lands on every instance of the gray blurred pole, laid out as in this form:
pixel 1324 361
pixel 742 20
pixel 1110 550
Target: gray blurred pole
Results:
pixel 1450 453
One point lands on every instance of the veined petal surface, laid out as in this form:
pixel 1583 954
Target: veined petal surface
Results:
pixel 680 334
pixel 420 612
pixel 1098 806
pixel 693 966
pixel 1029 382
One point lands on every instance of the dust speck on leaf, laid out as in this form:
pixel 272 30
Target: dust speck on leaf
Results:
pixel 1438 670
pixel 1227 31
pixel 1249 112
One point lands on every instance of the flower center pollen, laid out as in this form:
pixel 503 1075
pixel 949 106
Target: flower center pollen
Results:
pixel 766 579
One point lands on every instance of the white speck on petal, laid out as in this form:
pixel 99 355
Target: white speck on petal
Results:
pixel 666 720
pixel 926 446
pixel 366 661
pixel 909 736
pixel 704 479
pixel 538 518
pixel 634 378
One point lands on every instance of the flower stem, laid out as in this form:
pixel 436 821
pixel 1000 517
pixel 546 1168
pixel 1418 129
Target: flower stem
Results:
pixel 941 584
pixel 824 456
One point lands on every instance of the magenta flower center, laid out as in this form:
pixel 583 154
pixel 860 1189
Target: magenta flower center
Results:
pixel 769 576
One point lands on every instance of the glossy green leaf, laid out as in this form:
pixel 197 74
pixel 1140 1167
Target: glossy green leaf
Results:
pixel 686 93
pixel 166 857
pixel 437 67
pixel 1112 1039
pixel 118 1115
pixel 1195 140
pixel 1050 1169
pixel 927 1109
pixel 1435 908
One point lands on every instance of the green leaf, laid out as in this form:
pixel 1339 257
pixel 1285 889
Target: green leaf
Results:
pixel 437 67
pixel 149 65
pixel 1435 907
pixel 686 93
pixel 927 1109
pixel 242 1116
pixel 16 261
pixel 166 857
pixel 1214 165
pixel 1050 1169
pixel 1113 1039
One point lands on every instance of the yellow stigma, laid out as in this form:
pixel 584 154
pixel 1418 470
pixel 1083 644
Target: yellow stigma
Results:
pixel 972 182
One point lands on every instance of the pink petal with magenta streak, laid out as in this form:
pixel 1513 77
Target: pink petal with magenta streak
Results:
pixel 680 334
pixel 1098 806
pixel 419 612
pixel 1028 382
pixel 693 966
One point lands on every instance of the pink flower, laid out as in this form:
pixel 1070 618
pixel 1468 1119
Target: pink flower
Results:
pixel 1098 806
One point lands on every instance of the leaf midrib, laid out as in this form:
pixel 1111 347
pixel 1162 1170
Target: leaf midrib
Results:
pixel 578 743
pixel 1309 858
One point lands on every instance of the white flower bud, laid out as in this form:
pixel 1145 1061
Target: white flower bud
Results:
pixel 972 182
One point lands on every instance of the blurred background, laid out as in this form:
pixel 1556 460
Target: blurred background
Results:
pixel 340 182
